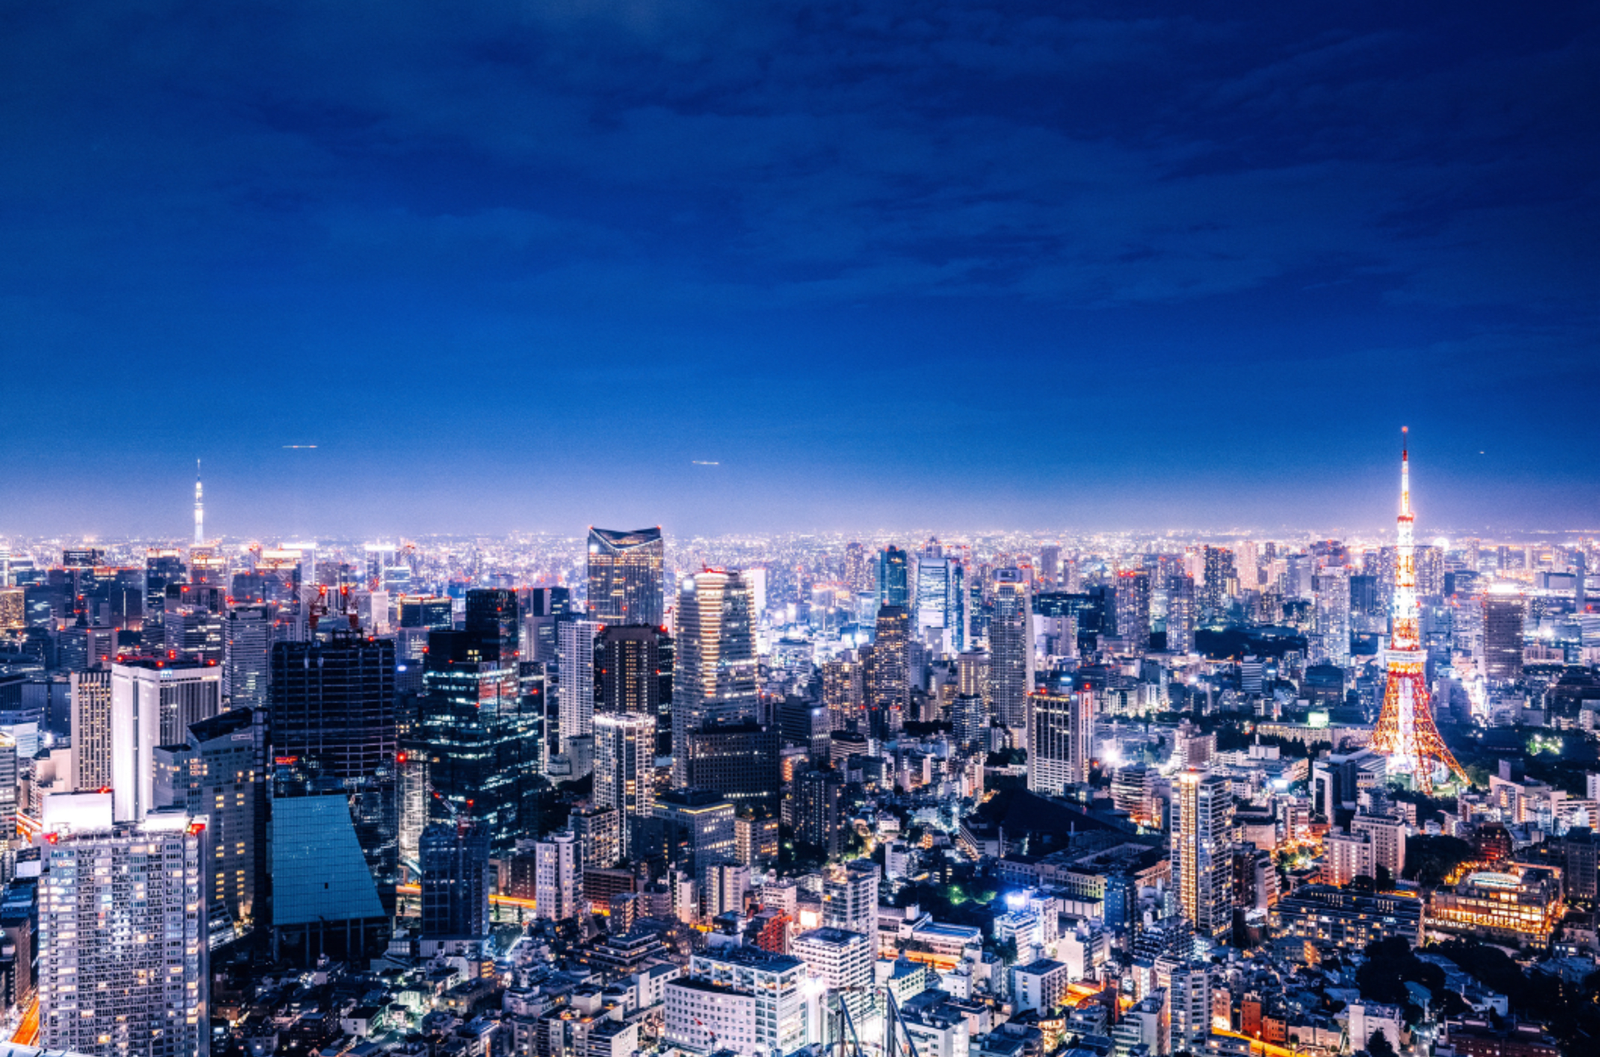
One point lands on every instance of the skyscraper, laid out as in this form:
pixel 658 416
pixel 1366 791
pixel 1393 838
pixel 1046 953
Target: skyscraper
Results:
pixel 492 618
pixel 628 665
pixel 1180 614
pixel 575 679
pixel 1011 649
pixel 893 589
pixel 122 939
pixel 1332 643
pixel 624 770
pixel 627 576
pixel 333 703
pixel 153 702
pixel 481 736
pixel 219 772
pixel 91 729
pixel 558 876
pixel 1060 733
pixel 247 655
pixel 162 566
pixel 850 898
pixel 1221 581
pixel 1133 609
pixel 455 880
pixel 714 680
pixel 1504 613
pixel 1202 852
pixel 888 688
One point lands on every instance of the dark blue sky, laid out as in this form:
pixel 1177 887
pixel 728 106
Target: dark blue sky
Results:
pixel 890 264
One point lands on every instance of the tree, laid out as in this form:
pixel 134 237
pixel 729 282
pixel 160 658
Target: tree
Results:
pixel 1378 1045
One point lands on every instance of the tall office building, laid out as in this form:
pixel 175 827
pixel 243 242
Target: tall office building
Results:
pixel 1133 609
pixel 543 609
pixel 857 573
pixel 1202 851
pixel 714 679
pixel 332 870
pixel 697 826
pixel 481 735
pixel 247 655
pixel 333 703
pixel 91 729
pixel 122 939
pixel 1332 643
pixel 558 876
pixel 624 770
pixel 492 617
pixel 1011 649
pixel 628 669
pixel 575 679
pixel 162 566
pixel 627 583
pixel 1504 611
pixel 153 702
pixel 893 587
pixel 455 881
pixel 1060 735
pixel 819 796
pixel 736 760
pixel 940 597
pixel 219 772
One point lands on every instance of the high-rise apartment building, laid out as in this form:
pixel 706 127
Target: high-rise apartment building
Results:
pixel 575 682
pixel 1133 609
pixel 1202 852
pixel 1332 639
pixel 558 876
pixel 819 796
pixel 1011 649
pixel 219 772
pixel 153 702
pixel 714 680
pixel 1220 583
pixel 624 770
pixel 843 961
pixel 122 939
pixel 333 703
pixel 1060 735
pixel 1180 614
pixel 850 898
pixel 627 583
pixel 91 729
pixel 455 880
pixel 888 687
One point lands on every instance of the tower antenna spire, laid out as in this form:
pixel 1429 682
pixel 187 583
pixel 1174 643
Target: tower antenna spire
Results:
pixel 199 509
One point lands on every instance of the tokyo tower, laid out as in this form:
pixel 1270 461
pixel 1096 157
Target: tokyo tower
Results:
pixel 1406 732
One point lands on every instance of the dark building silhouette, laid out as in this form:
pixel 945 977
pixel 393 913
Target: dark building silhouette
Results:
pixel 455 880
pixel 334 703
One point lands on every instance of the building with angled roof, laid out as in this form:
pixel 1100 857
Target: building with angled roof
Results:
pixel 627 576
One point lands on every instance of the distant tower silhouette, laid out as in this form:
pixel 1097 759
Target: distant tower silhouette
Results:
pixel 199 510
pixel 1406 732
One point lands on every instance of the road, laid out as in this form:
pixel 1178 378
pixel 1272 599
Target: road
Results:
pixel 27 1033
pixel 1272 1049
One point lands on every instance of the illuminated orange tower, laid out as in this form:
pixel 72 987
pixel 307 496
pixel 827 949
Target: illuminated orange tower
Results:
pixel 1406 732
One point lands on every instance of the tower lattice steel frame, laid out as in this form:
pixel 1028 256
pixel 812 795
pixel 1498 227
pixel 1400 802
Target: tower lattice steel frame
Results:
pixel 1406 732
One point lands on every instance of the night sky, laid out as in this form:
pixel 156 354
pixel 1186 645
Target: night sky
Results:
pixel 1038 266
